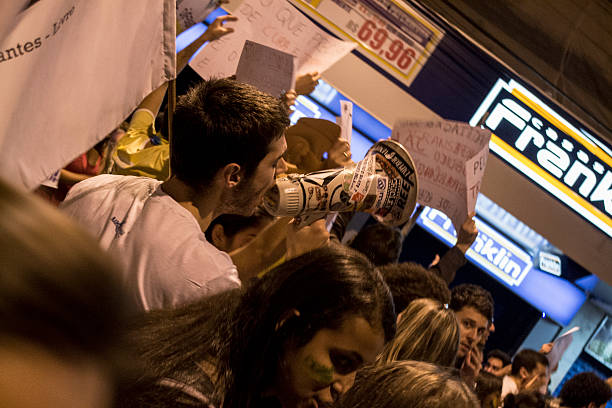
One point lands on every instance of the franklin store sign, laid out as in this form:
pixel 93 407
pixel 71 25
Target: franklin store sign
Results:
pixel 570 164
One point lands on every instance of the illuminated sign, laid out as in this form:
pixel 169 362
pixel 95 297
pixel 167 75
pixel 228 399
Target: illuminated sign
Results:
pixel 550 263
pixel 566 162
pixel 491 251
pixel 512 266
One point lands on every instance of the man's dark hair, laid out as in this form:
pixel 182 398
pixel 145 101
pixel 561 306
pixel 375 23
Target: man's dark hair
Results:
pixel 525 399
pixel 221 121
pixel 380 243
pixel 529 359
pixel 583 389
pixel 233 223
pixel 504 357
pixel 409 281
pixel 473 296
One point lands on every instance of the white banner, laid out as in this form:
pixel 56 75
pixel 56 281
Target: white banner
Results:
pixel 70 72
pixel 279 25
pixel 450 160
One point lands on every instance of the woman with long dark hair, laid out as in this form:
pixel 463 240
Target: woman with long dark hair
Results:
pixel 292 339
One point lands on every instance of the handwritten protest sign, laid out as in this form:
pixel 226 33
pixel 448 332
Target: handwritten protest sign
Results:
pixel 345 120
pixel 70 72
pixel 190 12
pixel 450 158
pixel 266 68
pixel 279 25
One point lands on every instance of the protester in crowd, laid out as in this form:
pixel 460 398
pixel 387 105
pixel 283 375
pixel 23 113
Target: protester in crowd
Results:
pixel 525 399
pixel 488 389
pixel 454 258
pixel 314 145
pixel 144 151
pixel 409 281
pixel 61 310
pixel 403 384
pixel 229 232
pixel 227 145
pixel 497 363
pixel 381 243
pixel 91 163
pixel 473 307
pixel 585 390
pixel 529 372
pixel 293 339
pixel 427 331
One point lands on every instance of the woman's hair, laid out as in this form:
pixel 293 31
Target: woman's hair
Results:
pixel 427 331
pixel 487 384
pixel 239 331
pixel 411 384
pixel 58 290
pixel 525 399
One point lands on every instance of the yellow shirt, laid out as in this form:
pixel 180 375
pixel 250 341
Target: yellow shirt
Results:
pixel 134 154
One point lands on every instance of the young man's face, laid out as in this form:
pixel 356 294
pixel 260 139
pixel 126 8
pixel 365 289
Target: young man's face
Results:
pixel 534 379
pixel 472 327
pixel 249 195
pixel 494 366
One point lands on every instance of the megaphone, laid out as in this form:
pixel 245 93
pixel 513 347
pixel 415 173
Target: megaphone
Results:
pixel 383 184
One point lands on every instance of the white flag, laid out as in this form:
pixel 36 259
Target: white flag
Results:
pixel 70 72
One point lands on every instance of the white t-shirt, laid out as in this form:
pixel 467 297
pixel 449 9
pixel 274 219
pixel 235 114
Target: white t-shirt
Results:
pixel 165 256
pixel 508 387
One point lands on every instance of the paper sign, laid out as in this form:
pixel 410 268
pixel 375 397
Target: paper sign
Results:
pixel 279 25
pixel 474 172
pixel 345 121
pixel 70 72
pixel 442 151
pixel 267 69
pixel 560 345
pixel 190 12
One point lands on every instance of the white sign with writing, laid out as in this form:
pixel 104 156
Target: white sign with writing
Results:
pixel 190 12
pixel 345 120
pixel 279 25
pixel 450 160
pixel 70 72
pixel 267 69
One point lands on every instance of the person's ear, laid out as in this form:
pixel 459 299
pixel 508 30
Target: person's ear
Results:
pixel 285 317
pixel 232 174
pixel 523 373
pixel 219 239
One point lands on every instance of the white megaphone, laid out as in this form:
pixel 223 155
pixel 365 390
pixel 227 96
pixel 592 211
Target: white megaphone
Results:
pixel 383 184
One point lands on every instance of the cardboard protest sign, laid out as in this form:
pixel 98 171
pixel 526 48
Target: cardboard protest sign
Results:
pixel 70 72
pixel 450 158
pixel 267 69
pixel 560 345
pixel 190 12
pixel 279 25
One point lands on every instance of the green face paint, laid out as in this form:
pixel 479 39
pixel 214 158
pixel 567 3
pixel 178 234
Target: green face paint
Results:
pixel 319 372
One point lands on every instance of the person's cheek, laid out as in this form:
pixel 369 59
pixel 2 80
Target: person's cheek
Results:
pixel 319 372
